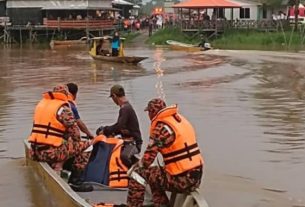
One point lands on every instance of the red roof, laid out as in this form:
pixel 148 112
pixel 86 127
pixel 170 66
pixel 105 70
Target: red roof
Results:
pixel 206 4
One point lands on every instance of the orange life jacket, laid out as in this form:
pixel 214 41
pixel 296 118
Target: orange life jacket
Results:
pixel 183 154
pixel 118 177
pixel 46 128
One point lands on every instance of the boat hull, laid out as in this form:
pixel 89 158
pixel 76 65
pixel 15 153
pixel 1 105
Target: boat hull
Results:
pixel 175 45
pixel 61 191
pixel 65 196
pixel 56 44
pixel 124 59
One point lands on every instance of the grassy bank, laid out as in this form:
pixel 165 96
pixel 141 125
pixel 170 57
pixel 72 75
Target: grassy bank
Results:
pixel 237 39
pixel 129 36
pixel 251 39
pixel 160 37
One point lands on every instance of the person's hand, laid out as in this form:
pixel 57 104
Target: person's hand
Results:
pixel 90 136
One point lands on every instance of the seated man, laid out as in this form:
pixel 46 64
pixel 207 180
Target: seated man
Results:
pixel 55 137
pixel 174 137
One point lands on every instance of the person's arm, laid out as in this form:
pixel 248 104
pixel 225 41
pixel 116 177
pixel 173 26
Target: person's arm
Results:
pixel 79 122
pixel 119 125
pixel 83 128
pixel 162 136
pixel 66 117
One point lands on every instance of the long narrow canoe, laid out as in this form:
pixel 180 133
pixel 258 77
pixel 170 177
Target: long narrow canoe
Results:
pixel 65 196
pixel 55 44
pixel 175 45
pixel 124 59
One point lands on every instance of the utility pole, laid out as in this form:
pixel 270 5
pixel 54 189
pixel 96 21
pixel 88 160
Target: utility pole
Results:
pixel 296 14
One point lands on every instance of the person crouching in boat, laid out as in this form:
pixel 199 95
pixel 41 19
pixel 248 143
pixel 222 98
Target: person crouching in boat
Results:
pixel 55 137
pixel 100 49
pixel 127 126
pixel 115 44
pixel 112 157
pixel 174 137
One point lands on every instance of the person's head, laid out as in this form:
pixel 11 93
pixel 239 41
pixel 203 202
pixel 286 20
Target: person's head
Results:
pixel 116 33
pixel 117 93
pixel 73 89
pixel 154 106
pixel 61 88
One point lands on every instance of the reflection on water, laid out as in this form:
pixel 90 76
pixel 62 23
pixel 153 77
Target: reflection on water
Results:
pixel 249 116
pixel 159 58
pixel 280 106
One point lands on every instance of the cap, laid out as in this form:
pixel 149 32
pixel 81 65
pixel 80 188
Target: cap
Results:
pixel 155 105
pixel 61 89
pixel 117 90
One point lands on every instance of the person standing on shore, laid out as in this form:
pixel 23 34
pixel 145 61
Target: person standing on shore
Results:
pixel 150 27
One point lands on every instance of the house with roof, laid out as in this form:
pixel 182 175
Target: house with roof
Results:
pixel 246 10
pixel 249 10
pixel 2 8
pixel 23 12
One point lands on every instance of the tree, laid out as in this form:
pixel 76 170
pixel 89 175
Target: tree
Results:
pixel 272 3
pixel 296 14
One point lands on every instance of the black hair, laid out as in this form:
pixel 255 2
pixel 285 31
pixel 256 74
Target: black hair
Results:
pixel 73 88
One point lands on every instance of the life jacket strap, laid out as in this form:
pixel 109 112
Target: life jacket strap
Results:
pixel 180 154
pixel 177 152
pixel 118 175
pixel 47 130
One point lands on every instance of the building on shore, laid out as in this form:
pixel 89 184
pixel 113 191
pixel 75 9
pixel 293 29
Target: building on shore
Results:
pixel 125 7
pixel 71 17
pixel 2 8
pixel 21 12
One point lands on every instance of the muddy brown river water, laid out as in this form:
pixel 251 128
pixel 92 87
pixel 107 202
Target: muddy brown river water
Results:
pixel 247 107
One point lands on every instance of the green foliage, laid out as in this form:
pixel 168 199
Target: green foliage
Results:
pixel 129 36
pixel 251 39
pixel 273 3
pixel 172 33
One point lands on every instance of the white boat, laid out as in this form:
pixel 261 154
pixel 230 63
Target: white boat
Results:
pixel 186 47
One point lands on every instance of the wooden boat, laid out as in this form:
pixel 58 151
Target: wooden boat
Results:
pixel 108 58
pixel 55 44
pixel 65 196
pixel 175 45
pixel 124 59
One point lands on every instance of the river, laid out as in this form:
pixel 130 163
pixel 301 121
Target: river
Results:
pixel 247 109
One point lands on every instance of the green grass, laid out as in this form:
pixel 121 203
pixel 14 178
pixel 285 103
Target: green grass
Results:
pixel 251 39
pixel 129 36
pixel 236 39
pixel 160 37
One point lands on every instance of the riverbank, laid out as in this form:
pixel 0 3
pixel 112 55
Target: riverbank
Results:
pixel 237 39
pixel 171 33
